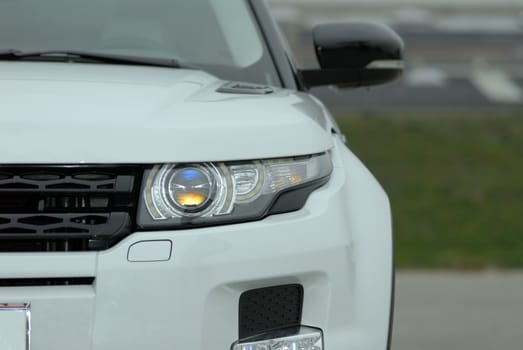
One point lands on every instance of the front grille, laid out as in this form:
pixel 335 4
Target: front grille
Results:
pixel 265 309
pixel 66 208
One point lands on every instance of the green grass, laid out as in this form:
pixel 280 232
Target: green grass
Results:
pixel 455 184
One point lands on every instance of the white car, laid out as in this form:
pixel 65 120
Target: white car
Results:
pixel 167 182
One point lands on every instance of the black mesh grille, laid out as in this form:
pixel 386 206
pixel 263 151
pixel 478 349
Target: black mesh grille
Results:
pixel 270 308
pixel 66 208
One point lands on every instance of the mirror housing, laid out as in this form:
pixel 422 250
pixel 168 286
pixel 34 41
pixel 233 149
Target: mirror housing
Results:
pixel 355 54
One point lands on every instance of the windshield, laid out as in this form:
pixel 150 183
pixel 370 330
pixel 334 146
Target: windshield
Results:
pixel 219 36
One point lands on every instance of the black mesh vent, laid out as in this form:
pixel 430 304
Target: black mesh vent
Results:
pixel 270 308
pixel 66 208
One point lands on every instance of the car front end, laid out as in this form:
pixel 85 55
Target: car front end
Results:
pixel 158 207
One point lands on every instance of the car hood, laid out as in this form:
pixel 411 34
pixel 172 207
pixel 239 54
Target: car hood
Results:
pixel 71 113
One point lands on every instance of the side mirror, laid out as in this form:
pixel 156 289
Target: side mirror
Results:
pixel 355 54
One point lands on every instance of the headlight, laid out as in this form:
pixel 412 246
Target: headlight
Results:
pixel 182 195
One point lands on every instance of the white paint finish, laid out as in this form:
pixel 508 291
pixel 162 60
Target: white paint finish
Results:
pixel 338 247
pixel 60 316
pixel 41 265
pixel 497 86
pixel 88 113
pixel 150 251
pixel 14 328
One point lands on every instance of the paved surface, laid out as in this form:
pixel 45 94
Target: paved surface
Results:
pixel 447 311
pixel 474 66
pixel 454 95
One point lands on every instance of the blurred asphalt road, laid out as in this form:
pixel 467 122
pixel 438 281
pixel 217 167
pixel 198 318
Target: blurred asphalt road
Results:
pixel 455 95
pixel 458 311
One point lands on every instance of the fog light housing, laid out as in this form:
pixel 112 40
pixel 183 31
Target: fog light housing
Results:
pixel 295 338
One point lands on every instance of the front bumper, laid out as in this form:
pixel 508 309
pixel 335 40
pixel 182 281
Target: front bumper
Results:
pixel 338 247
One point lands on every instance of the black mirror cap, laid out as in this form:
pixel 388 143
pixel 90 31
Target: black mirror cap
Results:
pixel 356 44
pixel 355 54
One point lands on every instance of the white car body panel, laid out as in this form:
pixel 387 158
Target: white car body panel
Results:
pixel 79 141
pixel 145 114
pixel 338 247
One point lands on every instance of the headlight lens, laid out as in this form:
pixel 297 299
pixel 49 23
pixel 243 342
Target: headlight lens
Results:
pixel 190 189
pixel 181 195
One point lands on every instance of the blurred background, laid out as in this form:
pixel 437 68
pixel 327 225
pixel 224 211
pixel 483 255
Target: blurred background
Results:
pixel 446 142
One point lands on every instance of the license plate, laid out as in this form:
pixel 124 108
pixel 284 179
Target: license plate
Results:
pixel 15 326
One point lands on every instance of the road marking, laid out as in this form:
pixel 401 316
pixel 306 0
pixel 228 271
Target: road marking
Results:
pixel 426 77
pixel 497 86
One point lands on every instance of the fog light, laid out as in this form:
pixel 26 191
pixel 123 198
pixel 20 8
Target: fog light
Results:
pixel 296 338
